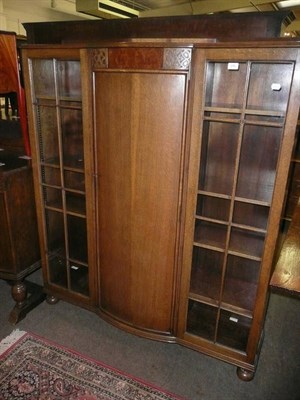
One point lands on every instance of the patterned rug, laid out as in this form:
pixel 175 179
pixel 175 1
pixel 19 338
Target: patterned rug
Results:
pixel 33 368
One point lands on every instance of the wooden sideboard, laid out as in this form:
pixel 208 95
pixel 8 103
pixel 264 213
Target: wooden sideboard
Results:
pixel 19 246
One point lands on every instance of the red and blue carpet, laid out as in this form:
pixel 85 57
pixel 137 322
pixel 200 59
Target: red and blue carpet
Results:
pixel 36 369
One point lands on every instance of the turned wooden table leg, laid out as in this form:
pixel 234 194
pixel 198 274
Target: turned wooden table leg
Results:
pixel 19 293
pixel 27 295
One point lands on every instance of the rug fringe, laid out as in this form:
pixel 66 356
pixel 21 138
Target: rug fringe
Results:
pixel 7 342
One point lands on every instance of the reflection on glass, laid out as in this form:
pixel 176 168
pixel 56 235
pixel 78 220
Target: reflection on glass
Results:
pixel 72 137
pixel 48 134
pixel 272 92
pixel 77 238
pixel 201 319
pixel 251 215
pixel 241 282
pixel 247 242
pixel 69 84
pixel 206 273
pixel 258 164
pixel 233 330
pixel 43 77
pixel 79 278
pixel 218 156
pixel 220 77
pixel 55 231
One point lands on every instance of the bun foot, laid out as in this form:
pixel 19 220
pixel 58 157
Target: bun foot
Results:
pixel 245 374
pixel 52 299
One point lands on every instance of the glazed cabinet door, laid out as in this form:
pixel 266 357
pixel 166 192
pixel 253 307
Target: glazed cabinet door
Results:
pixel 61 164
pixel 244 118
pixel 139 101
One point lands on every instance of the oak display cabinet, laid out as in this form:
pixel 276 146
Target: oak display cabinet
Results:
pixel 160 171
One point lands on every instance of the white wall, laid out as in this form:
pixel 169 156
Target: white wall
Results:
pixel 14 12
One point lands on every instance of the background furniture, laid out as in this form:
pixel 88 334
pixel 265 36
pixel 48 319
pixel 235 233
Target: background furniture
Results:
pixel 286 275
pixel 19 247
pixel 223 26
pixel 13 128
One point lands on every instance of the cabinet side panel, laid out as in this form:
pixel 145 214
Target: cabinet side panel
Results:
pixel 139 122
pixel 23 219
pixel 6 257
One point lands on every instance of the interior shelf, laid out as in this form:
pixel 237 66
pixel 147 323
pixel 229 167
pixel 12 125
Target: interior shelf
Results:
pixel 58 101
pixel 235 114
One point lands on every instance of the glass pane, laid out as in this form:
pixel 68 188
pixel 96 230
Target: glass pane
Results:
pixel 218 154
pixel 77 234
pixel 55 231
pixel 213 207
pixel 72 137
pixel 251 215
pixel 269 86
pixel 221 78
pixel 210 234
pixel 206 273
pixel 69 82
pixel 51 176
pixel 79 279
pixel 201 320
pixel 233 330
pixel 58 269
pixel 48 134
pixel 241 282
pixel 258 164
pixel 74 180
pixel 52 197
pixel 247 242
pixel 75 203
pixel 43 77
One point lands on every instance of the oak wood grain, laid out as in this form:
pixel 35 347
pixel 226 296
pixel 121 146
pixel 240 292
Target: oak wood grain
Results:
pixel 286 275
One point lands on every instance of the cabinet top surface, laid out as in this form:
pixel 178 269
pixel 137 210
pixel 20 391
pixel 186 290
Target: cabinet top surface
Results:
pixel 176 42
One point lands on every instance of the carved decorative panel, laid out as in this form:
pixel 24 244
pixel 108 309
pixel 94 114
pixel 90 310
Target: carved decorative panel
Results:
pixel 177 58
pixel 99 58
